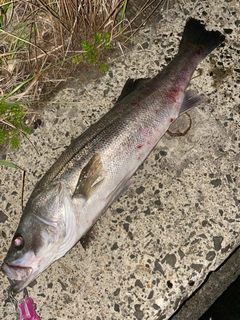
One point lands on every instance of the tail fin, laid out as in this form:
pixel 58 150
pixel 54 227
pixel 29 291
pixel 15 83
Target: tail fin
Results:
pixel 195 34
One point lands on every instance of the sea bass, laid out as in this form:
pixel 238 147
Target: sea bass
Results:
pixel 97 167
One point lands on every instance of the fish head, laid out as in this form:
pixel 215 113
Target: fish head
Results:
pixel 45 233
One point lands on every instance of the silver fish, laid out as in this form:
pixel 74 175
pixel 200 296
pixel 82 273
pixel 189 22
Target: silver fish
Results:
pixel 97 167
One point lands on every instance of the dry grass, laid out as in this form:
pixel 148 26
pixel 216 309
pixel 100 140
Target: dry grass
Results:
pixel 42 41
pixel 39 38
pixel 37 35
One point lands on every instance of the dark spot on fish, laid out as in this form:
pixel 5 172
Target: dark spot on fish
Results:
pixel 169 284
pixel 18 242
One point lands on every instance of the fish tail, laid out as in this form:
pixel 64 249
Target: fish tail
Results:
pixel 196 35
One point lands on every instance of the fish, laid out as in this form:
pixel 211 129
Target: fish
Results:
pixel 98 166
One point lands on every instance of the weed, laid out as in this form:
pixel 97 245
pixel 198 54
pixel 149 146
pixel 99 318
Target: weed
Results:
pixel 91 49
pixel 12 123
pixel 9 164
pixel 37 34
pixel 3 11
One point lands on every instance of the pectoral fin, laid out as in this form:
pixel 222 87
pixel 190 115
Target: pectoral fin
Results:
pixel 92 175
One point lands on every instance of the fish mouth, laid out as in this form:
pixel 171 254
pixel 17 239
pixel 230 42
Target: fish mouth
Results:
pixel 18 273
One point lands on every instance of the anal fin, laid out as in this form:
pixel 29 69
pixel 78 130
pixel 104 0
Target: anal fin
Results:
pixel 190 101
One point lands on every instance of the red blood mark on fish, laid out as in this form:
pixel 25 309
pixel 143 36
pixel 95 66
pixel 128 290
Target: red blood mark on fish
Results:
pixel 174 93
pixel 172 119
pixel 140 146
pixel 176 90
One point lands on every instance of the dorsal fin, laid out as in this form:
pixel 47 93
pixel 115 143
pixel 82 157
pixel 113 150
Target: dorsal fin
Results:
pixel 131 85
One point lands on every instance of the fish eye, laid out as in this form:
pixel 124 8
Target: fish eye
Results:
pixel 18 242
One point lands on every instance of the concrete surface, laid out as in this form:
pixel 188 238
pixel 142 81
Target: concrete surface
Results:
pixel 179 221
pixel 216 283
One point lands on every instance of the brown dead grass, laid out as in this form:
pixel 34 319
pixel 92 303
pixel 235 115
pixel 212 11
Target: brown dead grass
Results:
pixel 39 38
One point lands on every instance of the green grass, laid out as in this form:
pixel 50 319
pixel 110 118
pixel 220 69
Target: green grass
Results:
pixel 9 164
pixel 12 123
pixel 91 50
